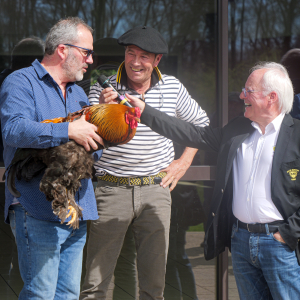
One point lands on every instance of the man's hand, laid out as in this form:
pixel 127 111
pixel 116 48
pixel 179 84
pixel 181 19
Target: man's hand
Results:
pixel 178 168
pixel 108 95
pixel 136 102
pixel 175 171
pixel 278 237
pixel 84 133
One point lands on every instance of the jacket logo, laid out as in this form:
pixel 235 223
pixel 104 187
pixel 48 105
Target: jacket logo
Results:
pixel 293 173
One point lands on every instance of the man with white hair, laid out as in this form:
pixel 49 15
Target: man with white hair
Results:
pixel 255 209
pixel 49 253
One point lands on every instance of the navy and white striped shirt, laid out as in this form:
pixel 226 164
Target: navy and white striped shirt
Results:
pixel 27 97
pixel 148 152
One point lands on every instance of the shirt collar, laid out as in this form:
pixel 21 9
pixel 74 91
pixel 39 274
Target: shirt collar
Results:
pixel 122 75
pixel 275 124
pixel 42 72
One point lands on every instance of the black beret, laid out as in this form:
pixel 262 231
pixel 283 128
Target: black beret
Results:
pixel 146 38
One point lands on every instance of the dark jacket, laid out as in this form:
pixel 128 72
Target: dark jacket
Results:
pixel 285 192
pixel 295 113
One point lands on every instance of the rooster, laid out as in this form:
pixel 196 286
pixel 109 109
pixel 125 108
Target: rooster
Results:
pixel 67 164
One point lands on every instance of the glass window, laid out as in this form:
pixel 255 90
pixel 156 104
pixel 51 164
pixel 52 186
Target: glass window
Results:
pixel 262 31
pixel 190 28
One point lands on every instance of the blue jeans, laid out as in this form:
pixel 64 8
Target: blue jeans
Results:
pixel 264 268
pixel 50 256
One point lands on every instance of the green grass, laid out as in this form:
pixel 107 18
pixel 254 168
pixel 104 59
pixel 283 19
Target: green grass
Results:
pixel 198 227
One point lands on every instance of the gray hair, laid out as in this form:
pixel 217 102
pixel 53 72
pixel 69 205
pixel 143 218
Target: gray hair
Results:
pixel 276 79
pixel 64 31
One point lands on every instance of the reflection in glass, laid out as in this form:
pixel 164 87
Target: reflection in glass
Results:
pixel 190 30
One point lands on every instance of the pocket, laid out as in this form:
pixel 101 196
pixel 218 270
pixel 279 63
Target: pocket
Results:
pixel 106 190
pixel 234 230
pixel 290 176
pixel 104 187
pixel 279 242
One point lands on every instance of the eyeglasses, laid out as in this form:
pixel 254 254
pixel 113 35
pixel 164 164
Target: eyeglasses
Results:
pixel 248 91
pixel 86 52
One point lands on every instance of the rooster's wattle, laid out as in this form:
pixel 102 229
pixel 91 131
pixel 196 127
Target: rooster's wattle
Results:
pixel 67 164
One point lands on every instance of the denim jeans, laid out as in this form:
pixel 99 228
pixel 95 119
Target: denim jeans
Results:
pixel 50 256
pixel 264 268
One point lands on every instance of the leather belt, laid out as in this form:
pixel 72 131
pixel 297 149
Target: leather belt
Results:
pixel 259 227
pixel 144 180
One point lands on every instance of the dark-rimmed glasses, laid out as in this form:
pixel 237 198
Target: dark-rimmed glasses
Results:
pixel 85 53
pixel 245 91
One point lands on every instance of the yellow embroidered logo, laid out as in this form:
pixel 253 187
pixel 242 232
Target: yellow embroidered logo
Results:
pixel 293 173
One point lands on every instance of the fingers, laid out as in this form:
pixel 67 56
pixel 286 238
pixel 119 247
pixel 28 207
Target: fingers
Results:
pixel 108 95
pixel 173 184
pixel 278 237
pixel 85 134
pixel 174 172
pixel 90 143
pixel 169 181
pixel 136 102
pixel 92 138
pixel 96 138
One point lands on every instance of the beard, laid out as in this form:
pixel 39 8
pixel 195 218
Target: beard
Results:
pixel 72 69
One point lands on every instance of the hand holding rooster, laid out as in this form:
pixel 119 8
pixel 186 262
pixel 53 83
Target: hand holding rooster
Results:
pixel 68 163
pixel 84 133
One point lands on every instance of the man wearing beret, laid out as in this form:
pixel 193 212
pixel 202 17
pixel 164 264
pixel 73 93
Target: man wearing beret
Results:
pixel 131 177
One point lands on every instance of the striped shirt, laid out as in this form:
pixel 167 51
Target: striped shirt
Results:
pixel 148 152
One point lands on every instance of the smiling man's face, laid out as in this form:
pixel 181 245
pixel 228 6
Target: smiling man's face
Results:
pixel 256 104
pixel 139 65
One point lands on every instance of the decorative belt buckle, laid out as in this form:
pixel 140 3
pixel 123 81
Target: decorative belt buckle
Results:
pixel 142 180
pixel 157 180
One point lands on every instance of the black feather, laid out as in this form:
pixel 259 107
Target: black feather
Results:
pixel 64 167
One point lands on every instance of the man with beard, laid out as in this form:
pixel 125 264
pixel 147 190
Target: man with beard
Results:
pixel 50 253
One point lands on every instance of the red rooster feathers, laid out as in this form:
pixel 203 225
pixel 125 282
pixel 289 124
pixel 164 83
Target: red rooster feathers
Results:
pixel 67 164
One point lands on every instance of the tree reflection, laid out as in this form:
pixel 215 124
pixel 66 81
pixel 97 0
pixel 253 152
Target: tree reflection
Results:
pixel 258 30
